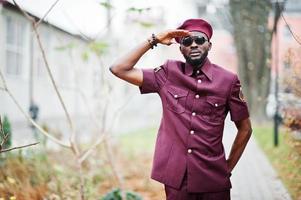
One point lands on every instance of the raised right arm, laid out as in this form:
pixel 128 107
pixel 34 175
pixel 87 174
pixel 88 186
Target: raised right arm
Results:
pixel 124 67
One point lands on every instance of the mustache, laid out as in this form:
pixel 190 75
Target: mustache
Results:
pixel 195 51
pixel 196 62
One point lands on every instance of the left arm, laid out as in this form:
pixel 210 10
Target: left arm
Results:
pixel 240 142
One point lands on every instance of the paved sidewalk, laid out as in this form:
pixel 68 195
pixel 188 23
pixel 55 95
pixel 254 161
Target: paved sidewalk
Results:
pixel 253 178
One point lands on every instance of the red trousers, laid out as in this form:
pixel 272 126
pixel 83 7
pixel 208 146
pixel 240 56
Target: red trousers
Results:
pixel 182 194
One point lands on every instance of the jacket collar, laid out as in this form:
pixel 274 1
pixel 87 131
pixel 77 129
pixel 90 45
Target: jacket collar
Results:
pixel 206 68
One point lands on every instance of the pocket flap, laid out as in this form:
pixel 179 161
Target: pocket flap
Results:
pixel 216 101
pixel 177 92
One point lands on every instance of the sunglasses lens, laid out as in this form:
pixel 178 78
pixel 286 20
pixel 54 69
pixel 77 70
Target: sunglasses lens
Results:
pixel 187 41
pixel 199 40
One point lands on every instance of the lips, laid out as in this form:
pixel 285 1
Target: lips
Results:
pixel 195 53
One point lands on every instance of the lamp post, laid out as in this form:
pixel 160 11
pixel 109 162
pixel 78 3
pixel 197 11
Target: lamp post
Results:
pixel 278 9
pixel 276 115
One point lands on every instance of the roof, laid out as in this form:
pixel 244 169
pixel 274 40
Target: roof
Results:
pixel 71 16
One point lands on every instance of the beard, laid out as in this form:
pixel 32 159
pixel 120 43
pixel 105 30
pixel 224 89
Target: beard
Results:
pixel 195 63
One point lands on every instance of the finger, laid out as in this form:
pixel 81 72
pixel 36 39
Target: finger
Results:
pixel 169 42
pixel 180 33
pixel 182 30
pixel 173 41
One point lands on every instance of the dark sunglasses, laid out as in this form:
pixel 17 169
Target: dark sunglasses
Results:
pixel 199 40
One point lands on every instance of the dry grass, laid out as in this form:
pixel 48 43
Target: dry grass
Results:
pixel 136 170
pixel 52 175
pixel 21 179
pixel 286 158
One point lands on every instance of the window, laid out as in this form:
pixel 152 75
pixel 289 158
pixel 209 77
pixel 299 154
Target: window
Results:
pixel 15 43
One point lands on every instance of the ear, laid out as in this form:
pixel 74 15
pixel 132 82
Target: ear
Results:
pixel 210 45
pixel 180 47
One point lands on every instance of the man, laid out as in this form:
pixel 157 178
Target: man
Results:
pixel 196 97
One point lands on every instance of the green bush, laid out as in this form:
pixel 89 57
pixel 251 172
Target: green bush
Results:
pixel 6 131
pixel 116 195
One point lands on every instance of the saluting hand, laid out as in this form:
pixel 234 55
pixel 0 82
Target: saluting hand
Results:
pixel 168 36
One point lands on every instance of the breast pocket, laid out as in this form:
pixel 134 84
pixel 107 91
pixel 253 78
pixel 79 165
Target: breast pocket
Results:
pixel 176 99
pixel 215 109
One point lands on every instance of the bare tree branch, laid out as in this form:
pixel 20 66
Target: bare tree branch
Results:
pixel 85 102
pixel 5 137
pixel 118 176
pixel 1 126
pixel 73 145
pixel 29 118
pixel 32 19
pixel 3 134
pixel 88 152
pixel 119 110
pixel 104 135
pixel 80 157
pixel 3 81
pixel 83 96
pixel 72 137
pixel 42 19
pixel 19 147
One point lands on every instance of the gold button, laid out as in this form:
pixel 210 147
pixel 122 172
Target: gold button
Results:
pixel 199 81
pixel 216 105
pixel 197 96
pixel 189 151
pixel 175 96
pixel 198 71
pixel 193 114
pixel 192 132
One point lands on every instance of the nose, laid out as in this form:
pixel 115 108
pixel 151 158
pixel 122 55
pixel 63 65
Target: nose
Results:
pixel 193 45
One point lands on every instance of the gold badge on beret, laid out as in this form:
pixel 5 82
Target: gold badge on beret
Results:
pixel 241 95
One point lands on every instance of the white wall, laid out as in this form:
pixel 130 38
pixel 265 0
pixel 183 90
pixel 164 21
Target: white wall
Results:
pixel 63 64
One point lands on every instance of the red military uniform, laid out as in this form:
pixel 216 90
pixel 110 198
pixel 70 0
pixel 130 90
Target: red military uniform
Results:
pixel 189 141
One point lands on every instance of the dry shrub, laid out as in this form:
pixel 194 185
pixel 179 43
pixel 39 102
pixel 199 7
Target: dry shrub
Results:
pixel 292 73
pixel 292 85
pixel 24 179
pixel 292 118
pixel 51 175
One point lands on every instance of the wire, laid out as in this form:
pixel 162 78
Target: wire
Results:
pixel 289 28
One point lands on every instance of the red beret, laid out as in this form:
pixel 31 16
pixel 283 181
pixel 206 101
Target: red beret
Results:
pixel 196 25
